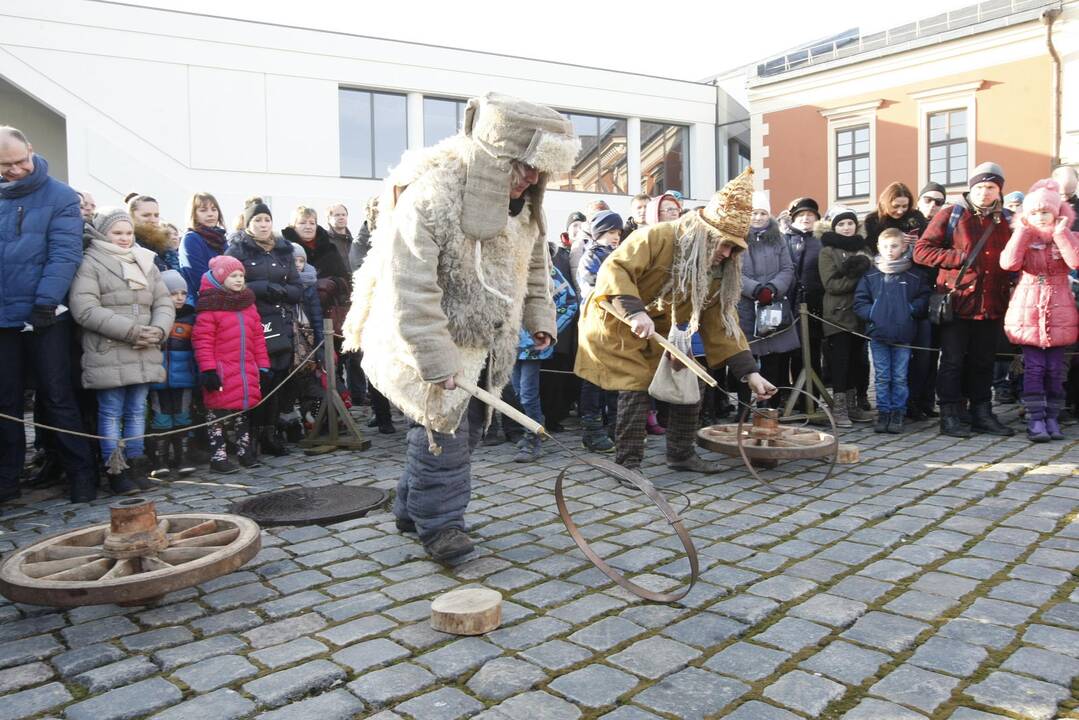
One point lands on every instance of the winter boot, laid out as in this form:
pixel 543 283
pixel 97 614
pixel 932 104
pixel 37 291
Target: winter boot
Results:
pixel 1052 426
pixel 652 426
pixel 983 420
pixel 528 448
pixel 120 483
pixel 863 402
pixel 695 463
pixel 840 403
pixel 271 443
pixel 181 455
pixel 448 544
pixel 895 423
pixel 223 467
pixel 855 411
pixel 84 489
pixel 160 462
pixel 139 471
pixel 883 418
pixel 964 413
pixel 386 427
pixel 950 422
pixel 493 436
pixel 594 437
pixel 405 525
pixel 1037 432
pixel 1054 407
pixel 50 473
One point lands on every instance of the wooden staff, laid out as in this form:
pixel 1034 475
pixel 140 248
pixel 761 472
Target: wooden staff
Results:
pixel 695 367
pixel 502 407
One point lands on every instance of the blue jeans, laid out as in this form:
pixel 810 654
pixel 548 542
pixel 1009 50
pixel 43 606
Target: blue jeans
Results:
pixel 126 407
pixel 595 402
pixel 526 383
pixel 890 368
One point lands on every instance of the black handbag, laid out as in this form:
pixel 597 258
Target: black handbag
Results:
pixel 942 305
pixel 278 339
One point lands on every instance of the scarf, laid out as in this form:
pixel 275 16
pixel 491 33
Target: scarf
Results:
pixel 11 189
pixel 212 298
pixel 308 276
pixel 893 267
pixel 131 269
pixel 213 237
pixel 692 274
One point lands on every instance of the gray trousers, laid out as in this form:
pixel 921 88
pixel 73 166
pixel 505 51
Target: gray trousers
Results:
pixel 434 490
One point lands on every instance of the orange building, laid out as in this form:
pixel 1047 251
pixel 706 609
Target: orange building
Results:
pixel 927 101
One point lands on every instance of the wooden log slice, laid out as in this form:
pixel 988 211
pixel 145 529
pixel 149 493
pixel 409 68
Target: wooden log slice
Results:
pixel 468 611
pixel 848 454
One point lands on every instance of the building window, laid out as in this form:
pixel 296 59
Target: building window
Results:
pixel 441 119
pixel 664 149
pixel 852 162
pixel 948 147
pixel 374 132
pixel 601 166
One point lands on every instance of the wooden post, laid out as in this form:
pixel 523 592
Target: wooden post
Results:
pixel 808 379
pixel 333 410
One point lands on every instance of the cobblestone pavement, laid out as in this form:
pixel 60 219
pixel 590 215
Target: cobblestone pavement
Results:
pixel 934 579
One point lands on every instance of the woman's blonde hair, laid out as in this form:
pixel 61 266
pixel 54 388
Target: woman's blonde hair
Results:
pixel 301 212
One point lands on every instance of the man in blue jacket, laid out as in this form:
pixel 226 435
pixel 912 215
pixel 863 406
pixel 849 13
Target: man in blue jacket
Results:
pixel 40 250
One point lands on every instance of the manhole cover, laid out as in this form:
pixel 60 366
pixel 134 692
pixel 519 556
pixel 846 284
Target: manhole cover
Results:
pixel 311 506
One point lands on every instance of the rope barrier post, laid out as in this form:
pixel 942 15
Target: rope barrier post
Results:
pixel 807 378
pixel 333 410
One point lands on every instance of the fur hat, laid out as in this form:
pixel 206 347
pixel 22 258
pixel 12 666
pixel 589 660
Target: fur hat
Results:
pixel 255 209
pixel 298 251
pixel 504 129
pixel 174 281
pixel 224 265
pixel 1044 195
pixel 804 204
pixel 606 221
pixel 761 201
pixel 105 218
pixel 987 172
pixel 729 209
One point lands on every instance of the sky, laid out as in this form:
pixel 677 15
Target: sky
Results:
pixel 688 40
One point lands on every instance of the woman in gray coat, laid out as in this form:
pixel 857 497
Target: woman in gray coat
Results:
pixel 767 277
pixel 125 311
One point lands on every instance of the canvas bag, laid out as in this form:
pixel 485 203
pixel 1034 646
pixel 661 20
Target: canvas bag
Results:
pixel 678 387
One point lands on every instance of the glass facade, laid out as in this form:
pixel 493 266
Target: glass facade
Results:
pixel 664 158
pixel 441 119
pixel 374 132
pixel 601 165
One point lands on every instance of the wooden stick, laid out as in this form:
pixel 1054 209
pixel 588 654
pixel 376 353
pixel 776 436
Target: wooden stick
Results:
pixel 502 407
pixel 695 367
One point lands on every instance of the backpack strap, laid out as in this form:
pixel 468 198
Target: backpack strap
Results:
pixel 953 220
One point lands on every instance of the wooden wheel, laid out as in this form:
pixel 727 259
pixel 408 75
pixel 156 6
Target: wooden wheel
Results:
pixel 76 568
pixel 788 443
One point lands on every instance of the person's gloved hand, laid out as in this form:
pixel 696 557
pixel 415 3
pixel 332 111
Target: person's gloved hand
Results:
pixel 855 266
pixel 275 292
pixel 765 295
pixel 43 316
pixel 210 380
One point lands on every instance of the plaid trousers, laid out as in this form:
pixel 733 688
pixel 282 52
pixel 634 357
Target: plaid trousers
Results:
pixel 629 431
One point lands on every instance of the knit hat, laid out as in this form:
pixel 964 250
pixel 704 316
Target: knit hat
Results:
pixel 1043 195
pixel 224 265
pixel 987 172
pixel 1013 197
pixel 174 281
pixel 842 213
pixel 298 251
pixel 575 216
pixel 802 205
pixel 605 221
pixel 105 218
pixel 933 187
pixel 255 209
pixel 761 201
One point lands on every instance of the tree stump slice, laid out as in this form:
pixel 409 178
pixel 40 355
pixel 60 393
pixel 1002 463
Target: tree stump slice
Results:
pixel 468 611
pixel 848 454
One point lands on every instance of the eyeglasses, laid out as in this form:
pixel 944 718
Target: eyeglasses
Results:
pixel 25 162
pixel 935 201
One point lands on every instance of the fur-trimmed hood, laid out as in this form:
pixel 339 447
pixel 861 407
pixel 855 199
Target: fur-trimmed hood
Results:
pixel 854 243
pixel 769 234
pixel 152 237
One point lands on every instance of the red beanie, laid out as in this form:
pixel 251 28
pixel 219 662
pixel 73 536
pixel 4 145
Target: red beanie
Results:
pixel 224 265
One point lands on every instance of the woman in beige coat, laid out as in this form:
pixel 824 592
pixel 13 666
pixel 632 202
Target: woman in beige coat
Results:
pixel 125 311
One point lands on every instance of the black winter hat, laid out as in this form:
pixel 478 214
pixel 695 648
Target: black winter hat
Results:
pixel 933 187
pixel 803 204
pixel 575 216
pixel 255 209
pixel 844 215
pixel 604 221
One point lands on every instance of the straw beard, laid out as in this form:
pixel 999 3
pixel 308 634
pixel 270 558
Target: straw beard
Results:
pixel 692 273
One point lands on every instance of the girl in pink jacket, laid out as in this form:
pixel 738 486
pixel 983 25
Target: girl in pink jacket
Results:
pixel 1041 316
pixel 230 350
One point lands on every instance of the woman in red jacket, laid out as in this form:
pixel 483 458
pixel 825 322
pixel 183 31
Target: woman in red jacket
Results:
pixel 230 350
pixel 1041 316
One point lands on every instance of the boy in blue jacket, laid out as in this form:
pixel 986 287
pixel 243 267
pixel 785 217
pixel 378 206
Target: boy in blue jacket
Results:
pixel 889 298
pixel 170 401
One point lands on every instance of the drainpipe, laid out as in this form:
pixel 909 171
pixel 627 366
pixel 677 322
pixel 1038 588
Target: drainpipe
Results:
pixel 1048 17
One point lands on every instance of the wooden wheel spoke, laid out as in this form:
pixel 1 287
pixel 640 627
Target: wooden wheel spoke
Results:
pixel 50 568
pixel 151 563
pixel 122 568
pixel 87 571
pixel 62 552
pixel 177 555
pixel 203 528
pixel 218 538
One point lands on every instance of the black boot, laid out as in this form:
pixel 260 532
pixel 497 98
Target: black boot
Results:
pixel 84 489
pixel 120 483
pixel 882 422
pixel 161 463
pixel 181 455
pixel 950 423
pixel 984 421
pixel 50 473
pixel 269 442
pixel 895 424
pixel 139 472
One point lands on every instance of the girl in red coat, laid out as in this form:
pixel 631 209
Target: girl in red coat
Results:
pixel 1041 316
pixel 231 353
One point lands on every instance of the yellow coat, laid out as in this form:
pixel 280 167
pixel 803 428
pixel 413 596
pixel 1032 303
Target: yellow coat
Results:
pixel 609 354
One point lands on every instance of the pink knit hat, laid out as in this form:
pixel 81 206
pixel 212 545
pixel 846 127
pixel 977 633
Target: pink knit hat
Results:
pixel 1043 195
pixel 224 265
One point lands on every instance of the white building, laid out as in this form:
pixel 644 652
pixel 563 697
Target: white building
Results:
pixel 122 98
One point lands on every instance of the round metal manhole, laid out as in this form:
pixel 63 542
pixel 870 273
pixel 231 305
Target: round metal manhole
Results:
pixel 311 506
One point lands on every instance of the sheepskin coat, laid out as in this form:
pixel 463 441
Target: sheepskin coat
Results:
pixel 1041 312
pixel 111 314
pixel 430 302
